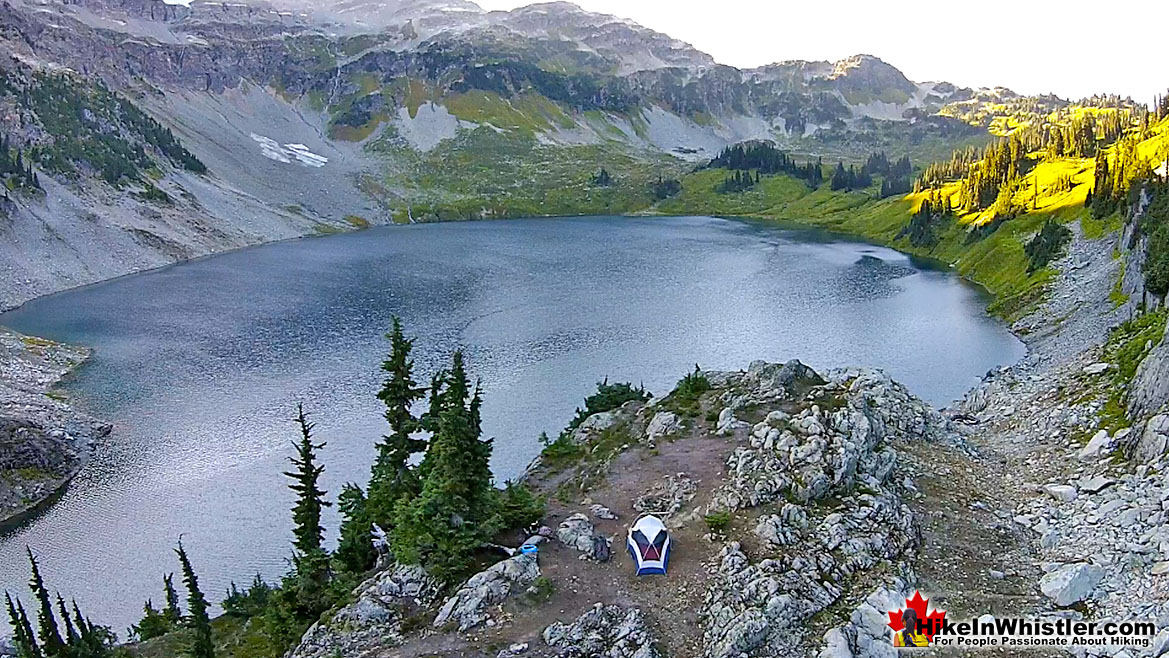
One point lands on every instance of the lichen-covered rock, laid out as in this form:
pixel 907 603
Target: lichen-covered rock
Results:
pixel 578 533
pixel 467 608
pixel 866 634
pixel 373 621
pixel 605 631
pixel 663 424
pixel 836 439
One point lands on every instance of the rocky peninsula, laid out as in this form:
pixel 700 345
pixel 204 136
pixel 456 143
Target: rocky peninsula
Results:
pixel 44 441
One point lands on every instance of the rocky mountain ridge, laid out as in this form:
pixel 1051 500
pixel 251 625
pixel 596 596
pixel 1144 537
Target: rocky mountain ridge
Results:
pixel 369 107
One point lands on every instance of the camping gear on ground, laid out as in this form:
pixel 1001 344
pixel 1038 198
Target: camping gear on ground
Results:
pixel 529 549
pixel 649 545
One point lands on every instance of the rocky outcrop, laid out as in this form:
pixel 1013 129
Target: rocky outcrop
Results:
pixel 467 608
pixel 605 631
pixel 1149 391
pixel 43 441
pixel 373 621
pixel 866 634
pixel 578 533
pixel 838 440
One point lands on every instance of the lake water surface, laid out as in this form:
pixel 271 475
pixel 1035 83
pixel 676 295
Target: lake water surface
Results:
pixel 199 366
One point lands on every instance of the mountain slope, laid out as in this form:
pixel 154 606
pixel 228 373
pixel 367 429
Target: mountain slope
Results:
pixel 316 117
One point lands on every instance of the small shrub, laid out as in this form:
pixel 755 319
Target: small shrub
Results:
pixel 516 507
pixel 607 398
pixel 686 396
pixel 249 602
pixel 718 522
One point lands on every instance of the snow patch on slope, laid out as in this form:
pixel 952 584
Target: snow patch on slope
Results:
pixel 286 153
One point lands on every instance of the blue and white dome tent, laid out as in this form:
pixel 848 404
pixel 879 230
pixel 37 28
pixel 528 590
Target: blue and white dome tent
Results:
pixel 649 545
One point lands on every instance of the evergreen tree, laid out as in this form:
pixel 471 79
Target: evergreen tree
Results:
pixel 392 477
pixel 202 645
pixel 355 552
pixel 46 620
pixel 306 585
pixel 152 625
pixel 26 643
pixel 70 631
pixel 31 647
pixel 306 514
pixel 443 527
pixel 173 615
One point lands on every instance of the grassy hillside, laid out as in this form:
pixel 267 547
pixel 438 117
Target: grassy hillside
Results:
pixel 980 246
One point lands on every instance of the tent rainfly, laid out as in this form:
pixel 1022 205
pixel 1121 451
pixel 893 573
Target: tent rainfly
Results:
pixel 649 545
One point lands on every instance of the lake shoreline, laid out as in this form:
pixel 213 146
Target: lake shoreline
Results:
pixel 47 440
pixel 14 515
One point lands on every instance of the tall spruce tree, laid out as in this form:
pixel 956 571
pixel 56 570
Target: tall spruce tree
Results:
pixel 46 621
pixel 310 578
pixel 32 646
pixel 445 524
pixel 391 477
pixel 172 613
pixel 202 645
pixel 306 514
pixel 70 632
pixel 26 643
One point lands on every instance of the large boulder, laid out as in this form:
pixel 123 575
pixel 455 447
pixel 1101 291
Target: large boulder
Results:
pixel 1071 583
pixel 605 631
pixel 467 608
pixel 578 533
pixel 781 381
pixel 1148 442
pixel 373 621
pixel 663 424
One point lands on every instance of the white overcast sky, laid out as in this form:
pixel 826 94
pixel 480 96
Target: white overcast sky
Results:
pixel 1071 48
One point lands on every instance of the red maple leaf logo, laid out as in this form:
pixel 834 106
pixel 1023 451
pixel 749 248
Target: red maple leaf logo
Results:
pixel 931 621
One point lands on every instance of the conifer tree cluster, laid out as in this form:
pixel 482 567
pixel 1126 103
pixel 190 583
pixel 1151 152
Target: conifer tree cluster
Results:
pixel 156 623
pixel 15 169
pixel 737 181
pixel 1115 173
pixel 850 179
pixel 921 229
pixel 603 178
pixel 59 632
pixel 1161 106
pixel 92 128
pixel 765 158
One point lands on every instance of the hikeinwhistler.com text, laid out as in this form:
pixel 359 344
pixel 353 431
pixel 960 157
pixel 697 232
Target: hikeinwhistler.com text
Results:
pixel 1039 633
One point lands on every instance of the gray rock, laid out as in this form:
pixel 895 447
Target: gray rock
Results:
pixel 605 631
pixel 1150 442
pixel 467 608
pixel 1071 583
pixel 373 620
pixel 602 512
pixel 1099 445
pixel 578 533
pixel 1061 492
pixel 663 424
